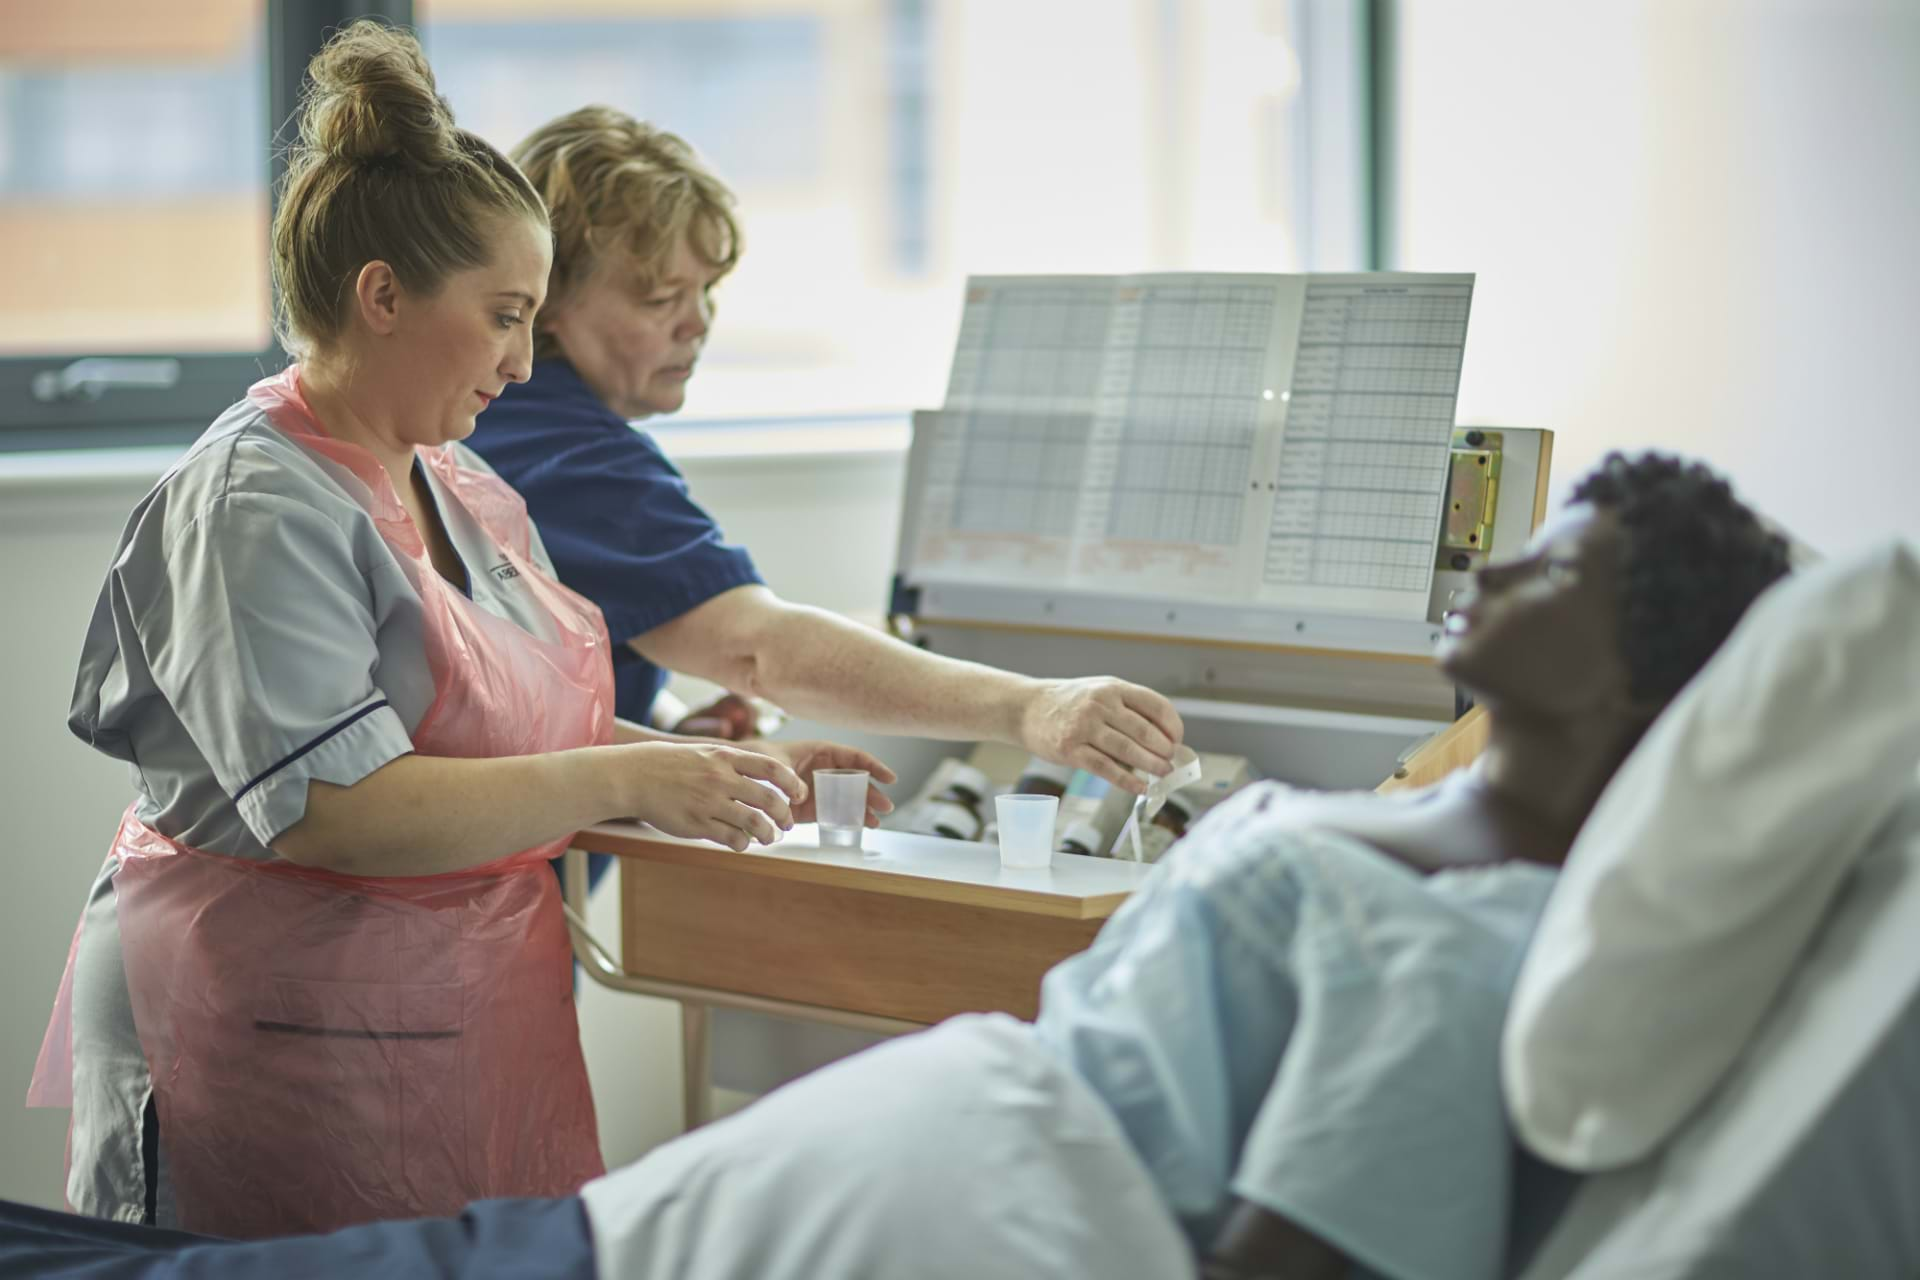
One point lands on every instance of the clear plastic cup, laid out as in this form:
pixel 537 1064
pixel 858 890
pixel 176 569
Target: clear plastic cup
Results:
pixel 1026 829
pixel 840 806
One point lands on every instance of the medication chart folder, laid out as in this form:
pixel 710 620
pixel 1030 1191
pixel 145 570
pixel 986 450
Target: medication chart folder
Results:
pixel 1264 440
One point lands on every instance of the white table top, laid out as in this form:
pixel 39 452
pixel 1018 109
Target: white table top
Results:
pixel 897 862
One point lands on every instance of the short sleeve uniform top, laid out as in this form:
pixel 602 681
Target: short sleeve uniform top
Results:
pixel 255 633
pixel 615 513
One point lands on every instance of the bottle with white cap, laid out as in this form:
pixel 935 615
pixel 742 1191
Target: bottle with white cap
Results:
pixel 1083 838
pixel 1043 778
pixel 956 810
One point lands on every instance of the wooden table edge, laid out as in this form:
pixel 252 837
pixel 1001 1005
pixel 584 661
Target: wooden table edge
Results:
pixel 626 843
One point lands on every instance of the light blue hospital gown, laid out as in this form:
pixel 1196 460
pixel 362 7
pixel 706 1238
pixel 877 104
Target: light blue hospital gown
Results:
pixel 1286 1015
pixel 1278 1013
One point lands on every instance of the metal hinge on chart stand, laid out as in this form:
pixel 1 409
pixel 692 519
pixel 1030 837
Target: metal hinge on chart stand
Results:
pixel 1473 495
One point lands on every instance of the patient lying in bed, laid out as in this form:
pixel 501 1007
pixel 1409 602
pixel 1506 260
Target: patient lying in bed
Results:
pixel 1292 1031
pixel 1281 1056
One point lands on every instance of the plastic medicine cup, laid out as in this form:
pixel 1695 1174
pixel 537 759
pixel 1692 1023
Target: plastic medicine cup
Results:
pixel 840 806
pixel 1026 829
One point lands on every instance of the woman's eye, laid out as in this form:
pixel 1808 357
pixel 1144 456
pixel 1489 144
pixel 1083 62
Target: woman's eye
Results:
pixel 507 321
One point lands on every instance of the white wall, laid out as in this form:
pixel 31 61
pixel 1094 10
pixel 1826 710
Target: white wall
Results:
pixel 1696 225
pixel 60 800
pixel 822 530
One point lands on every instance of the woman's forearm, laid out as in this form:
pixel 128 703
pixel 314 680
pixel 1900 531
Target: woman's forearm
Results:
pixel 632 731
pixel 826 667
pixel 426 815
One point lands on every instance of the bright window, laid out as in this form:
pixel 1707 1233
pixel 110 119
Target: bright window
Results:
pixel 883 150
pixel 133 177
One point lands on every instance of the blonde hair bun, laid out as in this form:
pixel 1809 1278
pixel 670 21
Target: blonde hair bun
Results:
pixel 380 172
pixel 372 100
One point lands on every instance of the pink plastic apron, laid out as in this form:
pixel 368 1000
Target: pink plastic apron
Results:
pixel 328 1049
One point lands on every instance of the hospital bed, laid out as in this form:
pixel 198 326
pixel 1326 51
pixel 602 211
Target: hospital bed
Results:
pixel 1805 1162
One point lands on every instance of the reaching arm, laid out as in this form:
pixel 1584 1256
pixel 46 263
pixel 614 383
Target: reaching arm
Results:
pixel 424 815
pixel 822 666
pixel 632 731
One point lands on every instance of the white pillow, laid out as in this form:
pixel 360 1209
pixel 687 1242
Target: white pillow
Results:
pixel 1801 1163
pixel 1710 858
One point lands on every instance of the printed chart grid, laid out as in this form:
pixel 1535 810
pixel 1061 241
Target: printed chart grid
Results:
pixel 1030 343
pixel 1363 462
pixel 1106 431
pixel 1020 401
pixel 1183 443
pixel 1020 473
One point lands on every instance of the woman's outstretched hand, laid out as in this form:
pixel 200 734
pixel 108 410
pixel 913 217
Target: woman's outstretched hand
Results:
pixel 1106 726
pixel 732 795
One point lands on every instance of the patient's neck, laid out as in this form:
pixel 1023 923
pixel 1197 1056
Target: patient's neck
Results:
pixel 1546 777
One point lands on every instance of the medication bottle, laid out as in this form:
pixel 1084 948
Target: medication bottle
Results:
pixel 957 810
pixel 1083 838
pixel 1043 778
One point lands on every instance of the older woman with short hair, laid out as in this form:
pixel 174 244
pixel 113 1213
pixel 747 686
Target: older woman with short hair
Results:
pixel 642 233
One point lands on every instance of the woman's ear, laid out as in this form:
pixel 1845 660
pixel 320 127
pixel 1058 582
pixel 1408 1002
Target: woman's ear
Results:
pixel 555 322
pixel 376 296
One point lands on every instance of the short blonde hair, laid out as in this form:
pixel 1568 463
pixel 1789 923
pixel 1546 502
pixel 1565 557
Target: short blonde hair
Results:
pixel 615 184
pixel 380 172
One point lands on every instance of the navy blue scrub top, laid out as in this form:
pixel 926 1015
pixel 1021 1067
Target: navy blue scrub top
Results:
pixel 613 512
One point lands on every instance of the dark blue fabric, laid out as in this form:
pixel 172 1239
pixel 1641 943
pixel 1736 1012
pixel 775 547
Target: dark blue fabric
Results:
pixel 614 513
pixel 492 1240
pixel 615 516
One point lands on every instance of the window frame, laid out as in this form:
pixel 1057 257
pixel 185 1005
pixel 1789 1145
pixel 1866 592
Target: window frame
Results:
pixel 208 381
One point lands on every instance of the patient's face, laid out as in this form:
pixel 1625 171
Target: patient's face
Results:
pixel 1538 636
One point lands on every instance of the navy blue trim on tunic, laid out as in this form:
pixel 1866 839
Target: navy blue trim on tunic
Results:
pixel 361 714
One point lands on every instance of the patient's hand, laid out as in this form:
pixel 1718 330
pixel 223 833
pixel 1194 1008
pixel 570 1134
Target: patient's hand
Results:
pixel 1259 1244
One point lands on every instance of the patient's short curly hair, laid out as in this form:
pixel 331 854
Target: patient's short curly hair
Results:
pixel 1694 557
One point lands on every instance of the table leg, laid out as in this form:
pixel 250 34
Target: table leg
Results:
pixel 696 1063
